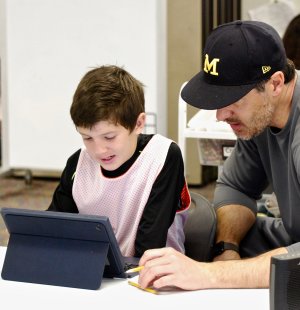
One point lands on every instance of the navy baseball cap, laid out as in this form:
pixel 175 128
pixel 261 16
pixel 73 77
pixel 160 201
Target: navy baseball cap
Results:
pixel 237 56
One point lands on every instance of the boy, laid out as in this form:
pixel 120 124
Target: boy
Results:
pixel 137 180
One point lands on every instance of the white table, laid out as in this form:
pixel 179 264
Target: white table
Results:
pixel 115 293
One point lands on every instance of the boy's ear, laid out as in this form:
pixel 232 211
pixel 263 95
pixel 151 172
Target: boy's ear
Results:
pixel 140 122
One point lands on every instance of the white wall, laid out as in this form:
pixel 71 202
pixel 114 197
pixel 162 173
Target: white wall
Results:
pixel 279 22
pixel 45 48
pixel 251 4
pixel 4 135
pixel 51 44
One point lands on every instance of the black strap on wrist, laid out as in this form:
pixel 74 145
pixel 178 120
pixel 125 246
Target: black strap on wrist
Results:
pixel 223 246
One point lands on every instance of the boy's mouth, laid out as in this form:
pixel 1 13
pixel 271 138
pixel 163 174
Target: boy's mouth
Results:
pixel 107 159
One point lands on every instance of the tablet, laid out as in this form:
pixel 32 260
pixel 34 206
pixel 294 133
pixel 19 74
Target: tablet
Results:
pixel 63 249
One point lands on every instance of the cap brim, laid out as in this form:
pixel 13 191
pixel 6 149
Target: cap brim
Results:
pixel 203 95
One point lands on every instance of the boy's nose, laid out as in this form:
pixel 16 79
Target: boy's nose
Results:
pixel 100 148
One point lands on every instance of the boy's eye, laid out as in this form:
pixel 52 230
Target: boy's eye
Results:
pixel 87 138
pixel 109 137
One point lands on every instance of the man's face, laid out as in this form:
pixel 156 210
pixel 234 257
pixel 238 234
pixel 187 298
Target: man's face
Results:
pixel 249 116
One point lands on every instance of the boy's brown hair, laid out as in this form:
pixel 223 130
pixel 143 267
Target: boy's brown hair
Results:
pixel 108 93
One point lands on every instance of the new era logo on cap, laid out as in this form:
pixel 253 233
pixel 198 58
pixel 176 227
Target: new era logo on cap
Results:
pixel 265 69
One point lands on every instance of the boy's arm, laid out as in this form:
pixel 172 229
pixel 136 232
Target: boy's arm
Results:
pixel 62 200
pixel 163 202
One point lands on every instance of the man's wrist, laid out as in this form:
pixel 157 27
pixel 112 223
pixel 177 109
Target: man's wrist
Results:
pixel 222 246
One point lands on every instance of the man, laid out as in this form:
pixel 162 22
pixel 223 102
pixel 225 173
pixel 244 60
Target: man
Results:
pixel 247 78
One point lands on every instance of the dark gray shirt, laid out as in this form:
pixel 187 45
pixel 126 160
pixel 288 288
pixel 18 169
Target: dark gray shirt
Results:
pixel 272 158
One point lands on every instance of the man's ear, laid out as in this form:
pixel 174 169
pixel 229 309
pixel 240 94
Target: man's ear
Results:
pixel 140 123
pixel 277 82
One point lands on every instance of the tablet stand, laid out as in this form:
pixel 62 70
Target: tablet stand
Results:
pixel 55 261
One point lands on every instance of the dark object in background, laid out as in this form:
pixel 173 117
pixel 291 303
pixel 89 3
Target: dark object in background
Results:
pixel 291 41
pixel 285 282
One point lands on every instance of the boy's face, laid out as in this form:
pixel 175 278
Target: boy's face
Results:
pixel 111 145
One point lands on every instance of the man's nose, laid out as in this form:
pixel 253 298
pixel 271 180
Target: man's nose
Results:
pixel 223 114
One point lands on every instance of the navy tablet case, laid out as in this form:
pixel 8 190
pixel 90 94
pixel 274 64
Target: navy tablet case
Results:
pixel 60 249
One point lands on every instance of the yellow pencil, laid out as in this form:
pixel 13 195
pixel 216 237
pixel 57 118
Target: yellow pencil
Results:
pixel 147 289
pixel 136 269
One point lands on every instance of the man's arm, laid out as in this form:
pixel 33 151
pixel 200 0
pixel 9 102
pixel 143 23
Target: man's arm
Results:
pixel 234 221
pixel 238 188
pixel 166 268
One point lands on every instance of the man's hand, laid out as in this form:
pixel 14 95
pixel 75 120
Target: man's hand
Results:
pixel 167 267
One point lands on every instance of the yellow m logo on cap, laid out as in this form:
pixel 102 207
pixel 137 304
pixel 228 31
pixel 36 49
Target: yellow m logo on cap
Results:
pixel 211 67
